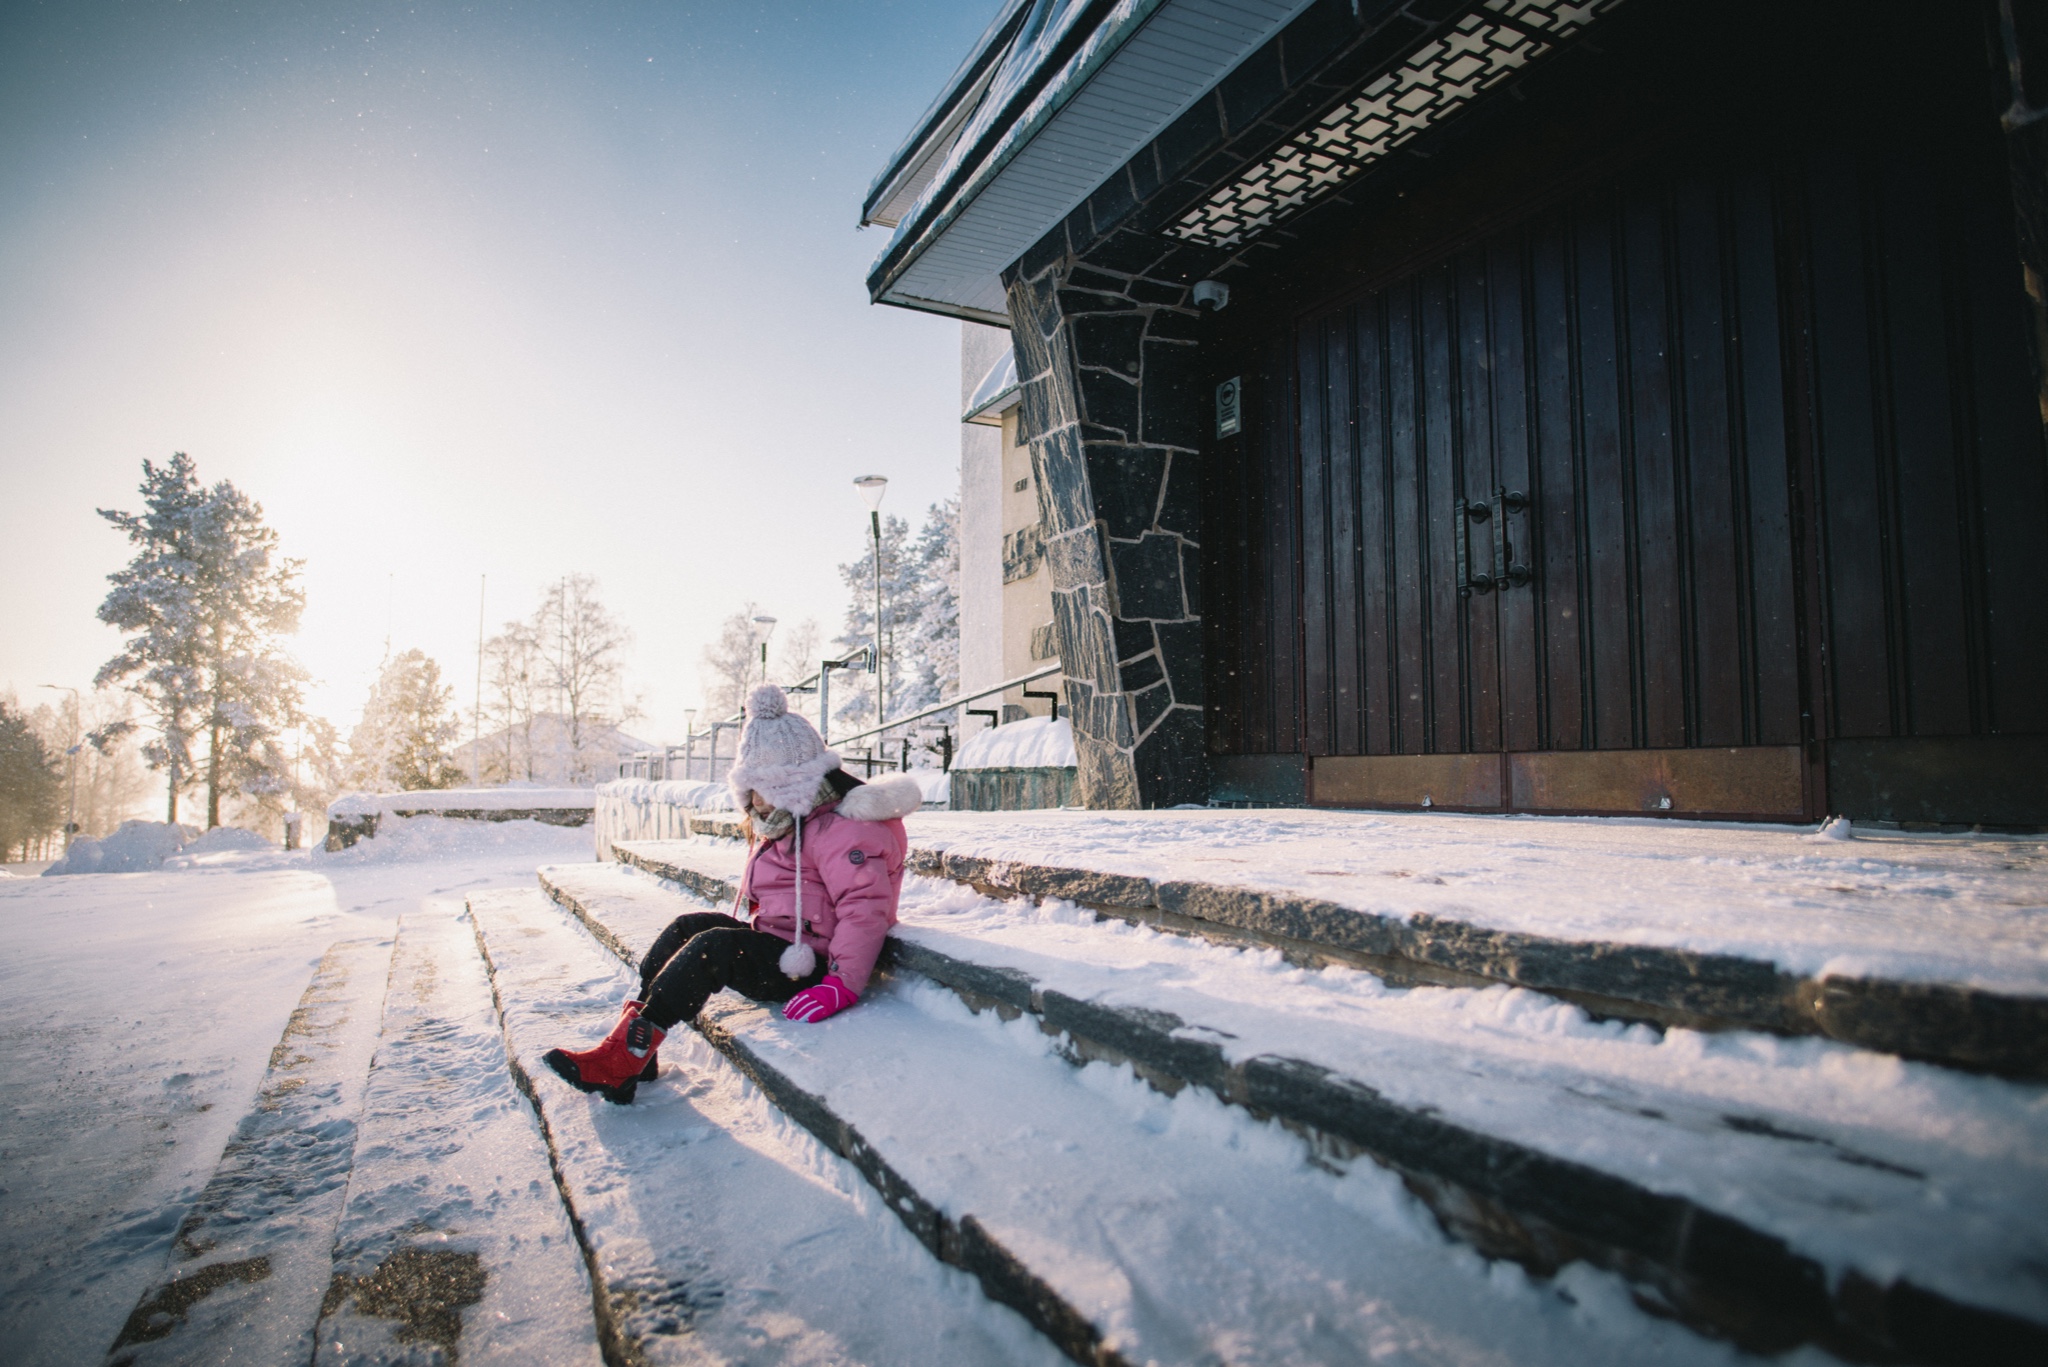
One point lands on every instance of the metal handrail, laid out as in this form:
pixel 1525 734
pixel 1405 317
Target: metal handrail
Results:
pixel 1053 667
pixel 950 704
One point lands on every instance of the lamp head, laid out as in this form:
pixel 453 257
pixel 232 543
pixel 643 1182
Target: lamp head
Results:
pixel 871 488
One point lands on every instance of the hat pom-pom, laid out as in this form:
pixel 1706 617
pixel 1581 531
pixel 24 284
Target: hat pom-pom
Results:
pixel 766 703
pixel 797 961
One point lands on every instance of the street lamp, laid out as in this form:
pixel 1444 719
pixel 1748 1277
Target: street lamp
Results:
pixel 71 762
pixel 871 489
pixel 766 625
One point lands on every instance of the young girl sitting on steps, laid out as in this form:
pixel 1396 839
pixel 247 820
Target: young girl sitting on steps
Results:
pixel 823 848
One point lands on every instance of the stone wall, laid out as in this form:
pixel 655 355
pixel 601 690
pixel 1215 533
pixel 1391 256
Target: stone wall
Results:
pixel 1114 417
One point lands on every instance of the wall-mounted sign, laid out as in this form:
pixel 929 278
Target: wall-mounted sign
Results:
pixel 1229 415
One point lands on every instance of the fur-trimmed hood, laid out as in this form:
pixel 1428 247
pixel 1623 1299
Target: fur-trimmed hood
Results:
pixel 883 799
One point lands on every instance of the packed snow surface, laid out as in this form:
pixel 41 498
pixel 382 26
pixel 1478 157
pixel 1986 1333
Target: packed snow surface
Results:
pixel 1186 1230
pixel 134 847
pixel 227 840
pixel 141 1012
pixel 1034 743
pixel 1856 1159
pixel 508 799
pixel 1965 909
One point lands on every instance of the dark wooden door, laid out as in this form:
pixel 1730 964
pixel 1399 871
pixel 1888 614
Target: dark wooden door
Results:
pixel 1763 372
pixel 1545 512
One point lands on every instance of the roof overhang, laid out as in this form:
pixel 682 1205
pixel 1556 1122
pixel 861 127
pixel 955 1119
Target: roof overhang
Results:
pixel 1058 96
pixel 1061 96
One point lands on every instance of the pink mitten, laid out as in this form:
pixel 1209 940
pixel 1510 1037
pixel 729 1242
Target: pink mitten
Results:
pixel 828 998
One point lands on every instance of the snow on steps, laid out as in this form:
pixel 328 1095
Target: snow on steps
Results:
pixel 1926 950
pixel 721 1231
pixel 1774 1190
pixel 450 1198
pixel 1126 1225
pixel 387 1195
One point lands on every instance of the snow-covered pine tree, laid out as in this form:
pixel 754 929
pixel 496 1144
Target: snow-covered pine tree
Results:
pixel 31 786
pixel 936 636
pixel 901 584
pixel 920 615
pixel 206 602
pixel 408 728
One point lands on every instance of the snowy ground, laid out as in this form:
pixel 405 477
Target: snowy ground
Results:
pixel 140 1012
pixel 1965 909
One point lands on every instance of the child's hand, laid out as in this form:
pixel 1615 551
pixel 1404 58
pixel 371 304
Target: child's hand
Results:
pixel 828 998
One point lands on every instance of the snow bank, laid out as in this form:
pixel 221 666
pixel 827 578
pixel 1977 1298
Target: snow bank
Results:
pixel 136 847
pixel 935 784
pixel 406 839
pixel 507 799
pixel 226 840
pixel 1034 743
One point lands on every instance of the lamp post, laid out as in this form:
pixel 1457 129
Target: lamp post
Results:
pixel 765 627
pixel 689 743
pixel 71 763
pixel 871 489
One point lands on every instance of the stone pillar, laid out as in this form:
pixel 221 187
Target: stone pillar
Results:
pixel 1111 408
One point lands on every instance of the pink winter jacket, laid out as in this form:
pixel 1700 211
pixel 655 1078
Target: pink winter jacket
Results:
pixel 853 874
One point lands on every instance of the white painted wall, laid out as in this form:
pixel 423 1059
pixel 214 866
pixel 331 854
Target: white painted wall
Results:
pixel 981 519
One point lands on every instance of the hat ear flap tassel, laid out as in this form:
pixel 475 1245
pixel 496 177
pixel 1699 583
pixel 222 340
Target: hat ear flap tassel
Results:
pixel 798 961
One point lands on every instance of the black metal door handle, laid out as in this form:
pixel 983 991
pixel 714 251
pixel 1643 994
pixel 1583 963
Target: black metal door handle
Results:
pixel 1461 534
pixel 1508 572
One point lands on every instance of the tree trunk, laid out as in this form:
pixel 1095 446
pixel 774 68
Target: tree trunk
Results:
pixel 171 798
pixel 212 776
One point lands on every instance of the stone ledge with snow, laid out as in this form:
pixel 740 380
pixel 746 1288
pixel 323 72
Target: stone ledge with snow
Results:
pixel 1750 1171
pixel 506 799
pixel 1927 946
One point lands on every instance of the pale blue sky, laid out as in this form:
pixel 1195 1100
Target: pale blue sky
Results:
pixel 506 289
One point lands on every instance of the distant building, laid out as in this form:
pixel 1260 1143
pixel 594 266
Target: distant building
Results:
pixel 1006 628
pixel 1598 406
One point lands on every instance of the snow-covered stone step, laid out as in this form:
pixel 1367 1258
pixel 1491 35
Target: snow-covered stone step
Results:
pixel 1927 947
pixel 1816 1189
pixel 722 1231
pixel 454 1235
pixel 1129 1225
pixel 253 1259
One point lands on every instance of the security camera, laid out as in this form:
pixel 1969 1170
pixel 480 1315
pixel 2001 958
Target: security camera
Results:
pixel 1211 294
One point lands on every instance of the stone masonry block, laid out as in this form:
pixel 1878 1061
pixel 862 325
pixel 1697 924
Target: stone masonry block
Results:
pixel 1181 509
pixel 1075 558
pixel 1109 340
pixel 1126 483
pixel 1173 411
pixel 1133 639
pixel 1148 705
pixel 1061 475
pixel 1140 674
pixel 1109 400
pixel 1148 577
pixel 1180 652
pixel 1172 761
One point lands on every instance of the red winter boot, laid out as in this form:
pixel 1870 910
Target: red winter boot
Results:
pixel 616 1067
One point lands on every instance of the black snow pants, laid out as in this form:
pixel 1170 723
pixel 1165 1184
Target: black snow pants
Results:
pixel 708 950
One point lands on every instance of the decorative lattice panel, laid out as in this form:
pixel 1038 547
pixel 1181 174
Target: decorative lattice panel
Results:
pixel 1482 49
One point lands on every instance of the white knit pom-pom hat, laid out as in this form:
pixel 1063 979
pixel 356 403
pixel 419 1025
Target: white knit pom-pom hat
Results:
pixel 781 757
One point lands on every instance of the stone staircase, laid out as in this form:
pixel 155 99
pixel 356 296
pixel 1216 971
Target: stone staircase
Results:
pixel 1557 1106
